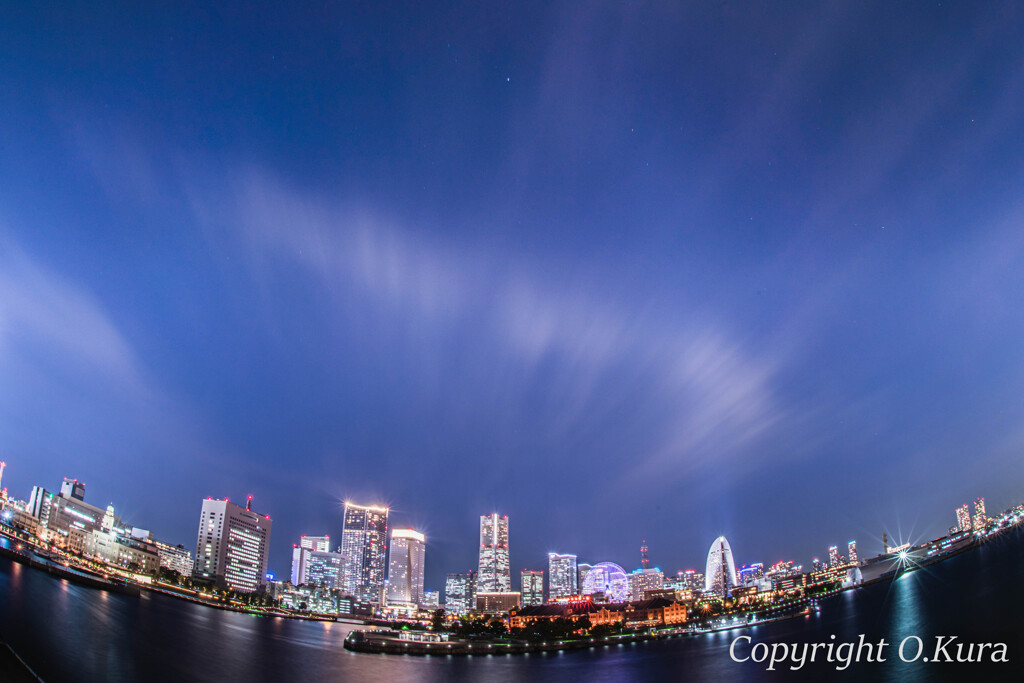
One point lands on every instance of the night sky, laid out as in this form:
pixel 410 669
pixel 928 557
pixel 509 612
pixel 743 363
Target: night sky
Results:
pixel 620 271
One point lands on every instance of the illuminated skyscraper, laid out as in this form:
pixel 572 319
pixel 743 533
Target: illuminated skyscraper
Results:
pixel 833 556
pixel 645 561
pixel 232 546
pixel 531 584
pixel 720 571
pixel 562 577
pixel 851 552
pixel 963 517
pixel 494 575
pixel 405 568
pixel 363 551
pixel 980 519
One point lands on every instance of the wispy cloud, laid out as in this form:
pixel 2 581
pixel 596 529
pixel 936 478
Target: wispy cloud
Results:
pixel 712 397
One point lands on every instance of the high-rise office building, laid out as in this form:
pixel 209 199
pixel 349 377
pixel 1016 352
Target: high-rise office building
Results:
pixel 405 568
pixel 364 539
pixel 980 518
pixel 494 575
pixel 851 552
pixel 833 556
pixel 562 575
pixel 531 584
pixel 963 517
pixel 232 546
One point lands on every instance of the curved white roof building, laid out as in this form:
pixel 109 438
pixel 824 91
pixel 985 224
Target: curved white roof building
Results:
pixel 720 572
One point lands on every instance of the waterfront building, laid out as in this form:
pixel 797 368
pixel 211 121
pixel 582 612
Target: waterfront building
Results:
pixel 174 557
pixel 851 550
pixel 607 579
pixel 405 568
pixel 720 571
pixel 363 551
pixel 531 584
pixel 494 575
pixel 562 575
pixel 654 612
pixel 232 546
pixel 65 518
pixel 120 547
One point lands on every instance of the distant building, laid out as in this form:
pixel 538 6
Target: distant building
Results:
pixel 980 518
pixel 851 551
pixel 363 551
pixel 459 593
pixel 175 557
pixel 405 568
pixel 532 586
pixel 963 518
pixel 643 580
pixel 320 544
pixel 582 569
pixel 232 546
pixel 833 556
pixel 496 602
pixel 562 575
pixel 65 518
pixel 720 572
pixel 606 580
pixel 322 569
pixel 120 547
pixel 431 600
pixel 494 575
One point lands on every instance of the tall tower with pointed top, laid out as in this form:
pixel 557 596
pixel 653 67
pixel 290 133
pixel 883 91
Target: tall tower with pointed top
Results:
pixel 645 562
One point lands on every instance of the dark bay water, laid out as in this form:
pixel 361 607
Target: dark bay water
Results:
pixel 71 633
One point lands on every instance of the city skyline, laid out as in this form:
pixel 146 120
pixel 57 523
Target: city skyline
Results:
pixel 531 259
pixel 366 551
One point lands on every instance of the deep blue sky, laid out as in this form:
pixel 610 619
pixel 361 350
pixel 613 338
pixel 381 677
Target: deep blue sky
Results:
pixel 617 270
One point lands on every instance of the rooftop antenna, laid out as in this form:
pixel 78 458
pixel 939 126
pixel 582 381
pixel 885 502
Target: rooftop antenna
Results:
pixel 248 504
pixel 645 562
